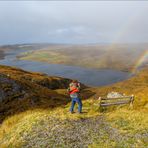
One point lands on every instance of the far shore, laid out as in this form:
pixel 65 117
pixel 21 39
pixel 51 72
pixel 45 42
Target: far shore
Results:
pixel 3 49
pixel 2 54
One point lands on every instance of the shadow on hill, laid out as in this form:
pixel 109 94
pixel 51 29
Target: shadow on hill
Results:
pixel 22 90
pixel 86 93
pixel 45 99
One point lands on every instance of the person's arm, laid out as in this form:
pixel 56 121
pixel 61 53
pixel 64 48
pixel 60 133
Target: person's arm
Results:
pixel 79 86
pixel 68 89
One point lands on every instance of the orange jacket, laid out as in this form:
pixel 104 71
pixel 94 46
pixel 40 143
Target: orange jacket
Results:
pixel 75 90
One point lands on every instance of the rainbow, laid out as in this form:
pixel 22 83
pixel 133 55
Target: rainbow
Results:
pixel 143 58
pixel 122 32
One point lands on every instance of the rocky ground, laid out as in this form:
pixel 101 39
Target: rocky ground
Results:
pixel 10 88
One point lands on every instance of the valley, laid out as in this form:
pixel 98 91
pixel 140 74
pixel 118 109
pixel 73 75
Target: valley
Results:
pixel 34 103
pixel 99 76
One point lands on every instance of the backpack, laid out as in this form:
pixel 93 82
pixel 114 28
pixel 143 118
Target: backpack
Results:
pixel 73 86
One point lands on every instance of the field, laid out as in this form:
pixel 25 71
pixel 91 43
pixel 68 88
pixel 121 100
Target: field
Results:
pixel 120 56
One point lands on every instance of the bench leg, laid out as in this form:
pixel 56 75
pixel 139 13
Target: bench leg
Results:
pixel 131 101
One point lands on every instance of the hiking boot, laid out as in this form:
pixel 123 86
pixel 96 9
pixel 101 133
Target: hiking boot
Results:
pixel 71 112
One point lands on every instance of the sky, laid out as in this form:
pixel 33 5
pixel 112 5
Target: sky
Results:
pixel 73 22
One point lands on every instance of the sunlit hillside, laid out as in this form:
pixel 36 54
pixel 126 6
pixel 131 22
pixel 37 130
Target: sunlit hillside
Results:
pixel 36 114
pixel 123 57
pixel 137 85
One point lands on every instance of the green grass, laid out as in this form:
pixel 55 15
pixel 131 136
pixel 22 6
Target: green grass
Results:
pixel 120 57
pixel 44 56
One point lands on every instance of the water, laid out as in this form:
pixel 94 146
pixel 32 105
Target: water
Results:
pixel 91 77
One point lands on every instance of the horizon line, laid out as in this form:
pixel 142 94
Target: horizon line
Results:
pixel 58 43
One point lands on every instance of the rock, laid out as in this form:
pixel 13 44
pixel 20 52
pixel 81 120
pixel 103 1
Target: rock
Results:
pixel 114 95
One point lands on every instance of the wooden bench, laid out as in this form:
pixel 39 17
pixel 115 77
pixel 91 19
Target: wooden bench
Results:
pixel 104 102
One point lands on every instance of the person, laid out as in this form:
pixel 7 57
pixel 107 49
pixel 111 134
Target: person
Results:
pixel 74 90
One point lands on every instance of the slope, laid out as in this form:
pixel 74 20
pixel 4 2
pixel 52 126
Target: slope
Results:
pixel 56 127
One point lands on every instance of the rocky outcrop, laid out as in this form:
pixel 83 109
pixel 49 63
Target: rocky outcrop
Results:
pixel 10 88
pixel 115 95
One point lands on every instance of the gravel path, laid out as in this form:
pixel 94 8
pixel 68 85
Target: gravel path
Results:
pixel 71 133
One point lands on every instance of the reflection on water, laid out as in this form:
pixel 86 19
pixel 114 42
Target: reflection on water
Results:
pixel 90 77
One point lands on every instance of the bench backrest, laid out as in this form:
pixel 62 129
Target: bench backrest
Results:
pixel 104 102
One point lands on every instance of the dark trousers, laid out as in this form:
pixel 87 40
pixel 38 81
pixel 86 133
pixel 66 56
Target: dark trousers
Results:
pixel 74 101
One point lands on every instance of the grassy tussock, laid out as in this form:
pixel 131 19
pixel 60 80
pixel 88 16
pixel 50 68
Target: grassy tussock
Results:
pixel 13 127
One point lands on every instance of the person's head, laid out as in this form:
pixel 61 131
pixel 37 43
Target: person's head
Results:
pixel 74 81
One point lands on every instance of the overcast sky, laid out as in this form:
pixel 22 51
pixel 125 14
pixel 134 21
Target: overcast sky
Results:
pixel 73 21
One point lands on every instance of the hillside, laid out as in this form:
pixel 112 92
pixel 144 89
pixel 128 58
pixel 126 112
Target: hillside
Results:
pixel 21 90
pixel 137 85
pixel 119 56
pixel 35 113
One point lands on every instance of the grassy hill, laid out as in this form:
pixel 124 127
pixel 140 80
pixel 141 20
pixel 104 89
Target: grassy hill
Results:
pixel 119 56
pixel 21 90
pixel 137 85
pixel 36 113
